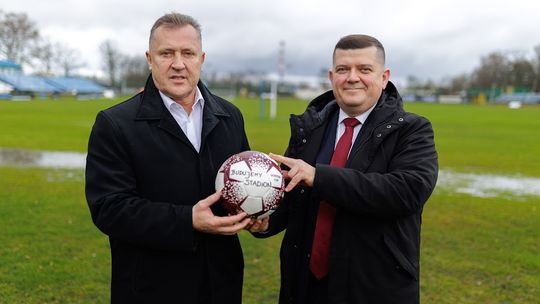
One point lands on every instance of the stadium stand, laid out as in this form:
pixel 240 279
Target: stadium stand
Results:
pixel 8 67
pixel 28 85
pixel 75 86
pixel 14 84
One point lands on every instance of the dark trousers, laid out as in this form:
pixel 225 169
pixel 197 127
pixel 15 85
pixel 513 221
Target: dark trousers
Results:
pixel 317 291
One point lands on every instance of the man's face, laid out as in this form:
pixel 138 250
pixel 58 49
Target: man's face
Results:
pixel 175 58
pixel 358 77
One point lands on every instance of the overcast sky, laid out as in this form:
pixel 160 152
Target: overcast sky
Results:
pixel 428 39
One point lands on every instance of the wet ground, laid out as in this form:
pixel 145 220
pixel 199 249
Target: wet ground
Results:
pixel 488 185
pixel 43 159
pixel 479 185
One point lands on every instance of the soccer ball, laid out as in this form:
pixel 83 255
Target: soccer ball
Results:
pixel 251 182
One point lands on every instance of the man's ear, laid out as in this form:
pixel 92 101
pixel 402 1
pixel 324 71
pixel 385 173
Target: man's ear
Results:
pixel 148 60
pixel 386 77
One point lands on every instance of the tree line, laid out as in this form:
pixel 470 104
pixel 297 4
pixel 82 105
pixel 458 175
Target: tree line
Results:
pixel 21 42
pixel 498 69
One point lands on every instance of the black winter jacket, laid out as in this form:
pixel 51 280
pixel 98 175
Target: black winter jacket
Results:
pixel 379 196
pixel 143 177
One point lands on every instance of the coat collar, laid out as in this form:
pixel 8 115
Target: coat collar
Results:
pixel 316 117
pixel 152 108
pixel 325 104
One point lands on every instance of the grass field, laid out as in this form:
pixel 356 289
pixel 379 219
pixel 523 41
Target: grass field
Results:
pixel 474 250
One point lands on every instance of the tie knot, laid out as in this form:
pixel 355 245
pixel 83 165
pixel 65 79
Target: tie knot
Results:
pixel 351 122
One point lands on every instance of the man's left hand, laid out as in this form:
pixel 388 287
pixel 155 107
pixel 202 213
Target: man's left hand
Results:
pixel 300 172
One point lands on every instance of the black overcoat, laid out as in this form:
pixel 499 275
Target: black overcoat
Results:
pixel 143 177
pixel 379 197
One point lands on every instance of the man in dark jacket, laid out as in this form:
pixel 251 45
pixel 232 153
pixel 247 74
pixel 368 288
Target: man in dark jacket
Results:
pixel 353 228
pixel 151 166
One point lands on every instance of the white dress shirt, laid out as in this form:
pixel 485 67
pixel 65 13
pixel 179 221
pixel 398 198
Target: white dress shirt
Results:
pixel 190 123
pixel 341 126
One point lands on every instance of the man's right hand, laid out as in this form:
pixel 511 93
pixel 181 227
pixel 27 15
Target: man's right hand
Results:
pixel 204 219
pixel 259 225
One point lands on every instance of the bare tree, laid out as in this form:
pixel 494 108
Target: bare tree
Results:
pixel 536 85
pixel 413 83
pixel 493 71
pixel 522 73
pixel 460 82
pixel 43 55
pixel 17 36
pixel 135 71
pixel 67 59
pixel 112 61
pixel 453 85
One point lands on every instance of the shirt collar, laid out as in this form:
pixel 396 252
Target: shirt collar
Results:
pixel 169 102
pixel 361 118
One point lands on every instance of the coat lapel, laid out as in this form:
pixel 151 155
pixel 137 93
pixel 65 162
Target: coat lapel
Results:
pixel 152 108
pixel 378 116
pixel 213 112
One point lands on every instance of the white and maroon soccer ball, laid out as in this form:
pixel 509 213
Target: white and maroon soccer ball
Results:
pixel 251 182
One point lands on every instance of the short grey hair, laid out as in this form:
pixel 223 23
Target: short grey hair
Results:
pixel 175 20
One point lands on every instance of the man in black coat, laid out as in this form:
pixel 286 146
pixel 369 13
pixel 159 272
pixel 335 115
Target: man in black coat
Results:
pixel 370 208
pixel 151 165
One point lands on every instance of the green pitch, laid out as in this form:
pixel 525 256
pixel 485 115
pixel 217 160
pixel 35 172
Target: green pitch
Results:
pixel 474 250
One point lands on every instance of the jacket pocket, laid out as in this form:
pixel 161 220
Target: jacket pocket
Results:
pixel 402 260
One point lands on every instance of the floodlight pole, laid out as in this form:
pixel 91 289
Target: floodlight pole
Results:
pixel 273 99
pixel 262 102
pixel 274 84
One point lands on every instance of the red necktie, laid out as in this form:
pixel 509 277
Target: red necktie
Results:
pixel 318 264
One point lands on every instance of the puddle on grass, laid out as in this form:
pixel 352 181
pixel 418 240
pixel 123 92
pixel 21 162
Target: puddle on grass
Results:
pixel 42 159
pixel 479 185
pixel 488 185
pixel 64 175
